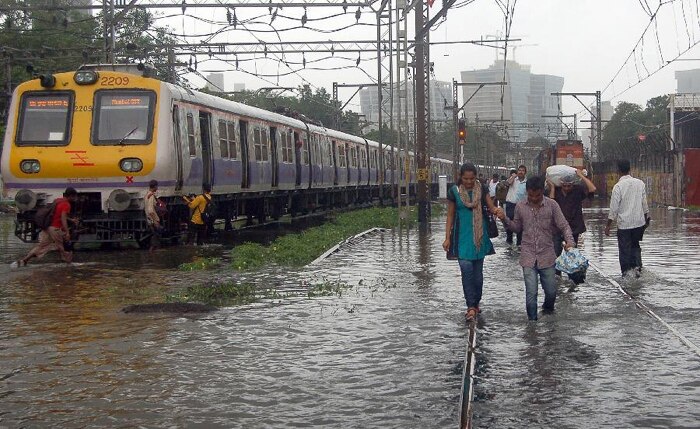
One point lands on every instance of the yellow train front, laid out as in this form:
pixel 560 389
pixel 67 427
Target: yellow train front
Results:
pixel 96 131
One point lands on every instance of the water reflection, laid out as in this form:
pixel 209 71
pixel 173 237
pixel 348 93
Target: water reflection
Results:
pixel 385 353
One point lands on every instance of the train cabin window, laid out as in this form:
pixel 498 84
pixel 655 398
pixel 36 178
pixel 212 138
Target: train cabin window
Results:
pixel 305 150
pixel 223 139
pixel 286 140
pixel 341 155
pixel 257 143
pixel 123 117
pixel 227 139
pixel 232 148
pixel 190 135
pixel 45 118
pixel 353 156
pixel 264 144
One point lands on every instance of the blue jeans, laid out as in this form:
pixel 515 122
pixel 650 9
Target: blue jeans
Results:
pixel 472 280
pixel 546 276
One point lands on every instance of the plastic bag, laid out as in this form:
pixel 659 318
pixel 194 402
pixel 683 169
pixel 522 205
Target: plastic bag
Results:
pixel 556 172
pixel 571 261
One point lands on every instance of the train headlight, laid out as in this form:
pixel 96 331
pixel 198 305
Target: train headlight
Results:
pixel 30 166
pixel 25 200
pixel 119 200
pixel 85 77
pixel 131 165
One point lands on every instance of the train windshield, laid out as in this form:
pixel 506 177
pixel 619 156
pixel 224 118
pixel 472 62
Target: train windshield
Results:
pixel 45 118
pixel 123 117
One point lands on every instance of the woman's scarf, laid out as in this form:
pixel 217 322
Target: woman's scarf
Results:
pixel 474 203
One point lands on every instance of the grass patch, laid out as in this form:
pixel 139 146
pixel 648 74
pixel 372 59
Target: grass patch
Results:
pixel 302 248
pixel 219 294
pixel 199 264
pixel 328 288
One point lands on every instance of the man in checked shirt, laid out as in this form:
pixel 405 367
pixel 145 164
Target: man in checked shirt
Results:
pixel 538 218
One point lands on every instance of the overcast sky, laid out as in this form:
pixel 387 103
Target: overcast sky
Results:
pixel 585 41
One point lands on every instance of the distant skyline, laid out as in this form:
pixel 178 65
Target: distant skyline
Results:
pixel 586 42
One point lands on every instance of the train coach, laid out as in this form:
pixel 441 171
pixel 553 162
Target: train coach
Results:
pixel 108 130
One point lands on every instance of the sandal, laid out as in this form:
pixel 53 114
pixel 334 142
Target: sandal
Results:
pixel 471 314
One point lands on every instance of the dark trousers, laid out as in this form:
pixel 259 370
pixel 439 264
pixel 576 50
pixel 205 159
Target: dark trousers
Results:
pixel 198 231
pixel 628 246
pixel 557 239
pixel 510 212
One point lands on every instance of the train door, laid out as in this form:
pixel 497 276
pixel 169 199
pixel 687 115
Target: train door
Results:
pixel 245 158
pixel 205 136
pixel 335 163
pixel 177 141
pixel 297 157
pixel 274 160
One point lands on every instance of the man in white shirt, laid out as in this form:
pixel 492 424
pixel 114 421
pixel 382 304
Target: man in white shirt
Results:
pixel 492 186
pixel 516 193
pixel 629 208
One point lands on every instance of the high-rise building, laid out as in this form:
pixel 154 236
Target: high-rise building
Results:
pixel 215 82
pixel 440 92
pixel 521 103
pixel 688 81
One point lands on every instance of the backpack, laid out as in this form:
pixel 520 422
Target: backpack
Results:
pixel 44 216
pixel 209 213
pixel 161 207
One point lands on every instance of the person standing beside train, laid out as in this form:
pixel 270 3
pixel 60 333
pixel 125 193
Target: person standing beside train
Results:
pixel 152 217
pixel 197 225
pixel 516 193
pixel 467 238
pixel 629 207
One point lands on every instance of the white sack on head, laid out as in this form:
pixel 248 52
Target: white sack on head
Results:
pixel 556 172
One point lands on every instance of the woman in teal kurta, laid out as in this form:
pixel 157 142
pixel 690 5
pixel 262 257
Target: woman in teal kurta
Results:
pixel 466 236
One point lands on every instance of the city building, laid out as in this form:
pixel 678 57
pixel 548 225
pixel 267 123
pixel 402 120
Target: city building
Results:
pixel 688 81
pixel 521 103
pixel 440 93
pixel 215 82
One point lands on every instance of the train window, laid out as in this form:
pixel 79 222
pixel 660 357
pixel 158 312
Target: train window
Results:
pixel 341 155
pixel 227 139
pixel 373 160
pixel 45 119
pixel 223 139
pixel 353 157
pixel 264 145
pixel 305 150
pixel 123 117
pixel 190 135
pixel 286 140
pixel 363 158
pixel 256 144
pixel 232 148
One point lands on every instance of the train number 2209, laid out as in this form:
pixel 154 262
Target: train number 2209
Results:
pixel 114 80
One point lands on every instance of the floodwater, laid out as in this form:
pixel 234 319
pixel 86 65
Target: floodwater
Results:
pixel 386 352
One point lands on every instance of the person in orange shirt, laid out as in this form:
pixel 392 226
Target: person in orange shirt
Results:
pixel 198 204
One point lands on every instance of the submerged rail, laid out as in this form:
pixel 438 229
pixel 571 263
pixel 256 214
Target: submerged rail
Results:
pixel 642 306
pixel 467 393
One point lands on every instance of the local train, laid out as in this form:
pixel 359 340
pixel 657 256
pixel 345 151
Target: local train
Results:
pixel 563 152
pixel 108 130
